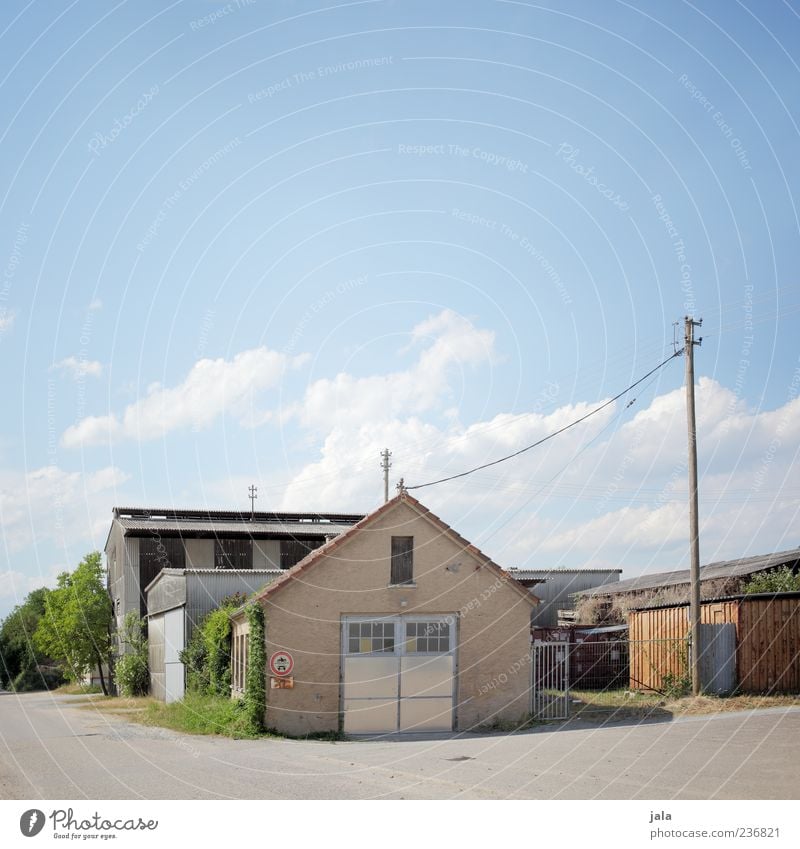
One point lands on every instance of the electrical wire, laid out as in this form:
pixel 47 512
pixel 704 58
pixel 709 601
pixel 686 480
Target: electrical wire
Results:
pixel 551 435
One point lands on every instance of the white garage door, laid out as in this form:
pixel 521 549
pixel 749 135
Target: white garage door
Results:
pixel 398 673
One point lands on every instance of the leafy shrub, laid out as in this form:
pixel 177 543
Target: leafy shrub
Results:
pixel 132 675
pixel 207 656
pixel 195 658
pixel 676 686
pixel 780 581
pixel 131 672
pixel 217 637
pixel 32 678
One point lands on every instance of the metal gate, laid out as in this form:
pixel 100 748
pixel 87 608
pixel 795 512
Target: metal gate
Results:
pixel 550 684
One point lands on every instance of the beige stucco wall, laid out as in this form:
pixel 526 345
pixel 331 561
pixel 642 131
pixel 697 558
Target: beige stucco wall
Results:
pixel 493 654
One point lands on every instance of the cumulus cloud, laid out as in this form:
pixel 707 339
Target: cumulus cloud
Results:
pixel 53 505
pixel 448 345
pixel 210 388
pixel 78 367
pixel 610 492
pixel 7 318
pixel 14 585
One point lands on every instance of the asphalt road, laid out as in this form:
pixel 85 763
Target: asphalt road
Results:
pixel 50 748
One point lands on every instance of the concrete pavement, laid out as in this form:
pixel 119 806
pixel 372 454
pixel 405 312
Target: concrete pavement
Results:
pixel 50 748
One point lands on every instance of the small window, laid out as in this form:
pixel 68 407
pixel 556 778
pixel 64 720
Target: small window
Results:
pixel 402 560
pixel 427 637
pixel 370 637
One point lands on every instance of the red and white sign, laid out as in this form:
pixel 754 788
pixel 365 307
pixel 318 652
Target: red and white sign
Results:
pixel 281 663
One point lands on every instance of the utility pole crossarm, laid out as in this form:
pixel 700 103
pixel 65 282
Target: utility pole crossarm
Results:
pixel 252 494
pixel 386 464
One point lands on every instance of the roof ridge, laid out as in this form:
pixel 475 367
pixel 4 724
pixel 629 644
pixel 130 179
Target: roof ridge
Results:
pixel 403 497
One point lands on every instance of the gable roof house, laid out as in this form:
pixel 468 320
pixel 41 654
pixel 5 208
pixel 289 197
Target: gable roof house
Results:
pixel 142 541
pixel 398 624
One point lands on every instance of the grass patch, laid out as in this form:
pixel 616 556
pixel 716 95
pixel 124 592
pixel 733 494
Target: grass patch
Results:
pixel 78 689
pixel 197 714
pixel 631 704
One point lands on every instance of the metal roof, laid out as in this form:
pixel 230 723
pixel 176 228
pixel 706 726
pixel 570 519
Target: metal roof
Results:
pixel 171 513
pixel 169 572
pixel 218 528
pixel 544 573
pixel 789 594
pixel 742 567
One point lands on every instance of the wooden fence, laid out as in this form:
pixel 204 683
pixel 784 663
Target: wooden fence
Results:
pixel 767 638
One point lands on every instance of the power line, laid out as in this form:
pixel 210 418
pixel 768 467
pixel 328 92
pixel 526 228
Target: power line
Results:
pixel 551 435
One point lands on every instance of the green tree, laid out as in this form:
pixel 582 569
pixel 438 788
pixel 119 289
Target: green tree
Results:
pixel 22 667
pixel 131 672
pixel 74 629
pixel 780 581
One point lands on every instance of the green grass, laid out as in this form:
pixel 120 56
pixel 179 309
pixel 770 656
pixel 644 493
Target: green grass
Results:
pixel 197 714
pixel 77 689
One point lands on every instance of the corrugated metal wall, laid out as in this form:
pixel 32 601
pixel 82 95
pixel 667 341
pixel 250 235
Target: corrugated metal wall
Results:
pixel 155 657
pixel 168 592
pixel 555 592
pixel 206 589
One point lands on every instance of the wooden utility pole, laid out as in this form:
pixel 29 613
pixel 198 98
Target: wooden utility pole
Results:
pixel 386 465
pixel 694 532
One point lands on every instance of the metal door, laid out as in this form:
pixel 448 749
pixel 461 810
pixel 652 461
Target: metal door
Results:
pixel 398 673
pixel 550 682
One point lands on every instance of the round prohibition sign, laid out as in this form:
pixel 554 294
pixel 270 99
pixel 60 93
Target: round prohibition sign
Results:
pixel 281 663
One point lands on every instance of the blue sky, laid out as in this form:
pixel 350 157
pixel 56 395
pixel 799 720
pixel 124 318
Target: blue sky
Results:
pixel 258 242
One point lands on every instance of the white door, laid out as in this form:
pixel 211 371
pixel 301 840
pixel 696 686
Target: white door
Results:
pixel 398 673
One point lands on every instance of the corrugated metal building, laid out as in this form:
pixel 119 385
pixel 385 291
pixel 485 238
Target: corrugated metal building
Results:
pixel 177 600
pixel 722 578
pixel 144 540
pixel 555 588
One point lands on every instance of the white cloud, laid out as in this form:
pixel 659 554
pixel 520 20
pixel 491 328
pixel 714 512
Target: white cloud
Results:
pixel 601 494
pixel 210 388
pixel 452 344
pixel 78 367
pixel 14 586
pixel 95 304
pixel 53 504
pixel 7 318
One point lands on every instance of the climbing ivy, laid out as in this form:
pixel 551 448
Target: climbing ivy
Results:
pixel 255 694
pixel 208 656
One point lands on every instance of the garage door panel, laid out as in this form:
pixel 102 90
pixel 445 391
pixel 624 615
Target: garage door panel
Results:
pixel 427 676
pixel 370 677
pixel 426 714
pixel 370 716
